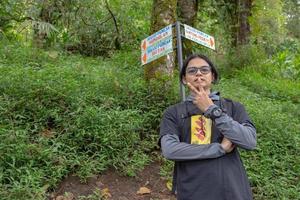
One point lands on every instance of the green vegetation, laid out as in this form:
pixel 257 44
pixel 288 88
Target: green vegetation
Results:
pixel 64 113
pixel 272 167
pixel 70 114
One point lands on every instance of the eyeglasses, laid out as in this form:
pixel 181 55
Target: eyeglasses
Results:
pixel 194 70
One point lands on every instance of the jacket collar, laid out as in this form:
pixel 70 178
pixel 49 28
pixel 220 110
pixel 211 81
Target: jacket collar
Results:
pixel 215 96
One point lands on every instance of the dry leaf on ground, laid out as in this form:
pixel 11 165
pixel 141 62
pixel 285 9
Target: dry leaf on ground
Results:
pixel 105 193
pixel 144 190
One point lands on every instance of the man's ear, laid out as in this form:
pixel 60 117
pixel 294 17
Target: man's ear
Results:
pixel 213 79
pixel 183 80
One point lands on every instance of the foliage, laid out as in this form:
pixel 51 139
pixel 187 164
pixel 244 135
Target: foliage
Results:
pixel 267 24
pixel 9 13
pixel 62 115
pixel 292 12
pixel 93 27
pixel 236 59
pixel 211 20
pixel 67 114
pixel 273 165
pixel 278 77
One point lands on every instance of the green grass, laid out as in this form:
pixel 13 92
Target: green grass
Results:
pixel 279 89
pixel 273 168
pixel 63 114
pixel 67 115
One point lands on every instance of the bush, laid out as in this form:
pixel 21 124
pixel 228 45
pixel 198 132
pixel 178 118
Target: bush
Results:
pixel 279 89
pixel 240 58
pixel 72 115
pixel 65 115
pixel 274 163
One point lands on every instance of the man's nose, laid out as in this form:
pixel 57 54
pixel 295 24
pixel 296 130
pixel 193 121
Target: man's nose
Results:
pixel 198 73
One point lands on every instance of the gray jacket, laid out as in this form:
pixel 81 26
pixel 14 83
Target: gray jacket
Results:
pixel 206 170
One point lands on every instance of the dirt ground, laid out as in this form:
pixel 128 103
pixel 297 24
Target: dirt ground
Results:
pixel 148 185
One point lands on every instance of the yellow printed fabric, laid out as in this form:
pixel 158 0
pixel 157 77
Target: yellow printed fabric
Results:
pixel 200 130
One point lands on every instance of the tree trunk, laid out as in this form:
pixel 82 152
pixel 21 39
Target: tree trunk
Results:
pixel 232 8
pixel 240 11
pixel 244 12
pixel 163 14
pixel 187 14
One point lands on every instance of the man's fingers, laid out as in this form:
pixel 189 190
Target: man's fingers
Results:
pixel 196 90
pixel 231 148
pixel 192 88
pixel 201 89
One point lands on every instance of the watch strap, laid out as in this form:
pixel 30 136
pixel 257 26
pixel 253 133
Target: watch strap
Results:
pixel 208 112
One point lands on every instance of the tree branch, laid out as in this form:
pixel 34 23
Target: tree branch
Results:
pixel 117 43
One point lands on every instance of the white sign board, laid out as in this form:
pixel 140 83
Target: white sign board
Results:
pixel 157 45
pixel 199 37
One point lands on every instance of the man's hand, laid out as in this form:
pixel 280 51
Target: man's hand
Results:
pixel 227 145
pixel 202 100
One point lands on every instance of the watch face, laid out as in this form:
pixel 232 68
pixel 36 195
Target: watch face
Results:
pixel 217 112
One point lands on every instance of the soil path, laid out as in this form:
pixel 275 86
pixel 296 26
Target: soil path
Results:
pixel 117 187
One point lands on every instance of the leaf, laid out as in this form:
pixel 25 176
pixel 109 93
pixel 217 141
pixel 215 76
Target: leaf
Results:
pixel 144 190
pixel 169 185
pixel 105 193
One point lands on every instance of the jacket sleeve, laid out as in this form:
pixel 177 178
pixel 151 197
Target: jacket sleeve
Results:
pixel 174 149
pixel 238 129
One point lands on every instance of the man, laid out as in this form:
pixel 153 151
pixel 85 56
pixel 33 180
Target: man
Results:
pixel 202 135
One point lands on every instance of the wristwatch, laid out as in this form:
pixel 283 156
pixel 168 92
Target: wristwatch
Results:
pixel 216 113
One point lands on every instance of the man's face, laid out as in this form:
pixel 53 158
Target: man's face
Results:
pixel 198 74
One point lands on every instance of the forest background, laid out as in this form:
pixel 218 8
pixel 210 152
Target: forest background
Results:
pixel 74 98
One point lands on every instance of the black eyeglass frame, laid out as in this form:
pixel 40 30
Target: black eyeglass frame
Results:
pixel 194 70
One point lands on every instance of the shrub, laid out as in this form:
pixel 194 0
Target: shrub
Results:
pixel 273 165
pixel 72 115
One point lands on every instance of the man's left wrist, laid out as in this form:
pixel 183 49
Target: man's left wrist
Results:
pixel 208 111
pixel 213 112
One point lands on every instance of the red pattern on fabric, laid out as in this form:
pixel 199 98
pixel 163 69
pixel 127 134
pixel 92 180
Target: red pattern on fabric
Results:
pixel 201 130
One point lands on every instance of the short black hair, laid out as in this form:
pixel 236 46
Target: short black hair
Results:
pixel 209 62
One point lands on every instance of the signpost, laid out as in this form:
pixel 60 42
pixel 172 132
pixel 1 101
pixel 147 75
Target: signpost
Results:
pixel 161 43
pixel 157 45
pixel 180 59
pixel 199 37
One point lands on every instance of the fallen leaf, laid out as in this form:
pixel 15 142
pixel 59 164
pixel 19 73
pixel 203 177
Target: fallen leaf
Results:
pixel 105 193
pixel 169 185
pixel 144 190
